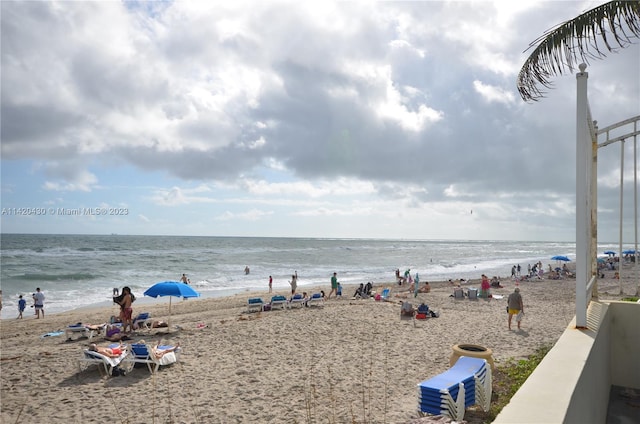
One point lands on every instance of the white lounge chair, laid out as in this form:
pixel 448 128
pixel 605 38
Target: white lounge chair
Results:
pixel 82 330
pixel 90 357
pixel 255 303
pixel 278 301
pixel 142 353
pixel 316 299
pixel 143 320
pixel 297 299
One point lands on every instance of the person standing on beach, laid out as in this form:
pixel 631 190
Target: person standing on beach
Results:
pixel 183 279
pixel 126 311
pixel 416 286
pixel 293 282
pixel 334 285
pixel 38 302
pixel 22 304
pixel 270 283
pixel 515 306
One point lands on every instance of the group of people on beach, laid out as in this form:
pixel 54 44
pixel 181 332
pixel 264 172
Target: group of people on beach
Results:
pixel 38 304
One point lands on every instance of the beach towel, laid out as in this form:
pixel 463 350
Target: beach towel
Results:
pixel 52 334
pixel 168 358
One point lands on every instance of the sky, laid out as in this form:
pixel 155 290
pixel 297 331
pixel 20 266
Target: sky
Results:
pixel 300 119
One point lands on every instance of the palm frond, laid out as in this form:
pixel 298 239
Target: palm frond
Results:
pixel 616 24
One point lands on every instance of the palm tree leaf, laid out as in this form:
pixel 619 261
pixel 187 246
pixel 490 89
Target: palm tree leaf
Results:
pixel 616 24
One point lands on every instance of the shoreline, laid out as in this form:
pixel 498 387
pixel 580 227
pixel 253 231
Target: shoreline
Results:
pixel 349 360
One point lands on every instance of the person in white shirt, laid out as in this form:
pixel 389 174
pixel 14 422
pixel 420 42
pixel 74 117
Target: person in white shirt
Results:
pixel 38 303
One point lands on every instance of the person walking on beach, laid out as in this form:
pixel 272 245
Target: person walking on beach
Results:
pixel 515 306
pixel 38 303
pixel 334 285
pixel 22 304
pixel 270 283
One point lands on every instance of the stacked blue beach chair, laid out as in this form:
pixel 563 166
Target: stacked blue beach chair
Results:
pixel 466 383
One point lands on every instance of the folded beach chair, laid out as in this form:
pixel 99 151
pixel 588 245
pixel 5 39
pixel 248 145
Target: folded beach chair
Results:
pixel 316 299
pixel 255 303
pixel 142 353
pixel 422 312
pixel 406 310
pixel 472 293
pixel 467 383
pixel 278 301
pixel 385 294
pixel 90 357
pixel 458 293
pixel 297 299
pixel 143 320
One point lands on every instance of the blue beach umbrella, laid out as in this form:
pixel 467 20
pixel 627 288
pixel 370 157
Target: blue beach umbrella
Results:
pixel 560 258
pixel 610 252
pixel 629 252
pixel 171 289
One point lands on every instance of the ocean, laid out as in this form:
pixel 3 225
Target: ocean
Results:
pixel 76 271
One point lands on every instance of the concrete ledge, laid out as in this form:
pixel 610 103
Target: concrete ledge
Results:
pixel 572 383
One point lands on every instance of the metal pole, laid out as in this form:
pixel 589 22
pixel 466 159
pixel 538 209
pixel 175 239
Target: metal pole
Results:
pixel 635 207
pixel 593 259
pixel 621 205
pixel 583 212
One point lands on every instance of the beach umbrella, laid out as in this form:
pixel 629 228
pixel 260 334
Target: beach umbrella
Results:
pixel 560 258
pixel 171 289
pixel 610 252
pixel 629 252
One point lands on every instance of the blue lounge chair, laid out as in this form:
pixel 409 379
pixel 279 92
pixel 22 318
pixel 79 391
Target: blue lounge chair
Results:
pixel 142 353
pixel 385 294
pixel 142 320
pixel 316 299
pixel 255 303
pixel 297 299
pixel 278 301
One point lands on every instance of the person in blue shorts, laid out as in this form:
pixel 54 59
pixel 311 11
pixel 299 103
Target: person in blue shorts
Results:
pixel 22 304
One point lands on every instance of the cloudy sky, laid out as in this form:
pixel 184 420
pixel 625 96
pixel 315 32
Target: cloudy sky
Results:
pixel 300 119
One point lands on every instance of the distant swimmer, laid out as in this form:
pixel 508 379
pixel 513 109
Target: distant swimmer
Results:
pixel 184 279
pixel 246 270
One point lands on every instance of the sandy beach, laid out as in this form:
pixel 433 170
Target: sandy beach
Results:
pixel 348 361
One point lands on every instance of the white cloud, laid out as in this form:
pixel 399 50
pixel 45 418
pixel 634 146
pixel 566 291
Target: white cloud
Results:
pixel 493 94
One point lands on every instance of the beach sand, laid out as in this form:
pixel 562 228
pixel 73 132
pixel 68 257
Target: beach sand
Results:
pixel 349 361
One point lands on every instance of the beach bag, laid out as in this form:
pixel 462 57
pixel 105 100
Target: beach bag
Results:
pixel 519 316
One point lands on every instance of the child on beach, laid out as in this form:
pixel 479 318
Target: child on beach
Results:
pixel 22 304
pixel 339 292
